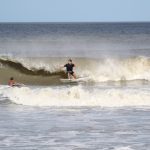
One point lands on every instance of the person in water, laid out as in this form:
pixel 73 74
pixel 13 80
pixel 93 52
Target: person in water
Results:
pixel 69 69
pixel 11 82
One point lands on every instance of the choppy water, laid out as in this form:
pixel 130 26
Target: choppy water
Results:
pixel 74 128
pixel 108 111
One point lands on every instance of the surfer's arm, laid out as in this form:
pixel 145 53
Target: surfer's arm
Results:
pixel 62 66
pixel 74 65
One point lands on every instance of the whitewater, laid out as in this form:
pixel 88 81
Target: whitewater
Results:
pixel 109 110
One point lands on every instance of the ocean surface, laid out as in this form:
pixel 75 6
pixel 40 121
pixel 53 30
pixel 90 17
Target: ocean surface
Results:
pixel 108 110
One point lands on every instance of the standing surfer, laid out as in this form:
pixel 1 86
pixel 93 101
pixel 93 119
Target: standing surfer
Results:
pixel 69 69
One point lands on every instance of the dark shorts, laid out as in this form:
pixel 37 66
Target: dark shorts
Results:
pixel 70 72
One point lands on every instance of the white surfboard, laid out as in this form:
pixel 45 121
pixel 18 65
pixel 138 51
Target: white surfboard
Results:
pixel 84 79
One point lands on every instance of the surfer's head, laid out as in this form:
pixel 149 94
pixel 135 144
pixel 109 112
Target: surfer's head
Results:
pixel 11 78
pixel 70 61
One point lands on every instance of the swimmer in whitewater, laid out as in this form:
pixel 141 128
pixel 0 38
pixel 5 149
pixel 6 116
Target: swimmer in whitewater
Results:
pixel 69 69
pixel 13 83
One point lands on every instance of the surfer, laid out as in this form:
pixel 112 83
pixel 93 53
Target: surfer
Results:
pixel 13 83
pixel 69 69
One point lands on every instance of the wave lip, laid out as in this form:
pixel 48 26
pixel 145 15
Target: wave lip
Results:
pixel 28 70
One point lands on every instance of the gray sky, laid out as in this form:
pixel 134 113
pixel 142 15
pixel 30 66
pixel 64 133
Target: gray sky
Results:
pixel 74 10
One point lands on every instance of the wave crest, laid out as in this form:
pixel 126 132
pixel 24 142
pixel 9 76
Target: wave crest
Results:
pixel 19 66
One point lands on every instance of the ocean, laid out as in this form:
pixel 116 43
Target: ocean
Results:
pixel 108 110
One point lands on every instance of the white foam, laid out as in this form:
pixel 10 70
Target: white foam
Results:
pixel 124 148
pixel 119 69
pixel 78 96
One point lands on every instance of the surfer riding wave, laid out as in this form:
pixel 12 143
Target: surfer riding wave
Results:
pixel 69 69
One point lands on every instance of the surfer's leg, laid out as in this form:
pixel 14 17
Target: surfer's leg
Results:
pixel 74 75
pixel 69 75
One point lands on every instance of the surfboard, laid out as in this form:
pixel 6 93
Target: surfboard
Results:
pixel 68 80
pixel 74 80
pixel 18 85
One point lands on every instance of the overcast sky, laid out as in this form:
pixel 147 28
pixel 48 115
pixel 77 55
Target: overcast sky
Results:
pixel 74 10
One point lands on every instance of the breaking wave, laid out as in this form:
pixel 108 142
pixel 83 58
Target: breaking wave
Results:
pixel 78 96
pixel 34 70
